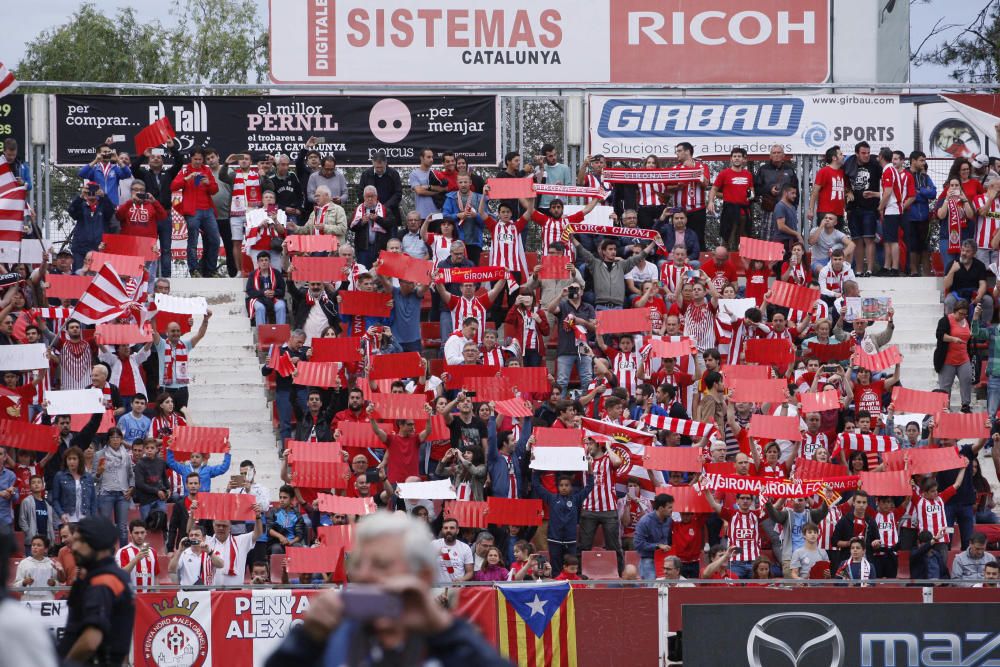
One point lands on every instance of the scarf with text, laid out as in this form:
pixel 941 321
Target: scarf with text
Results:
pixel 674 175
pixel 955 224
pixel 246 191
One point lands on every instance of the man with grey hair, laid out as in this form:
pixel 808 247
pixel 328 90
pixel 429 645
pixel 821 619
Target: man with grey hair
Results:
pixel 966 278
pixel 287 189
pixel 370 226
pixel 327 217
pixel 484 540
pixel 409 235
pixel 394 560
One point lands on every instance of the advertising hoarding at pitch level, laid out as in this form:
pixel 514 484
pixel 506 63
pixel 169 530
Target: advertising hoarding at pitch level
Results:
pixel 843 635
pixel 633 127
pixel 352 128
pixel 550 41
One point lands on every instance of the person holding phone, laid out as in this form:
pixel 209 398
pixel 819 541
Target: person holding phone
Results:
pixel 106 171
pixel 94 214
pixel 137 558
pixel 194 564
pixel 198 184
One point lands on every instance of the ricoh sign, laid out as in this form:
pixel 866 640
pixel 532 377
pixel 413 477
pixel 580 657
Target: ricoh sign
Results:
pixel 550 41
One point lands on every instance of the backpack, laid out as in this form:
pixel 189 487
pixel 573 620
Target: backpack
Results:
pixel 156 521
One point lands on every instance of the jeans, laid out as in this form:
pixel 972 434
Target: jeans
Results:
pixel 946 378
pixel 283 397
pixel 741 568
pixel 647 569
pixel 113 505
pixel 609 524
pixel 964 514
pixel 155 506
pixel 414 346
pixel 992 396
pixel 260 312
pixel 557 552
pixel 564 366
pixel 446 327
pixel 164 230
pixel 203 222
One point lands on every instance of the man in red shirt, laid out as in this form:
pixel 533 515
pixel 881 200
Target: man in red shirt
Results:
pixel 736 186
pixel 140 214
pixel 402 449
pixel 687 539
pixel 198 184
pixel 355 411
pixel 448 175
pixel 719 269
pixel 744 531
pixel 828 193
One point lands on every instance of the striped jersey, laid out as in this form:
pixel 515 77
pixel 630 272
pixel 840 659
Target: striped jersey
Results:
pixel 744 532
pixel 691 196
pixel 552 230
pixel 827 525
pixel 888 529
pixel 145 571
pixel 986 225
pixel 476 307
pixel 506 247
pixel 929 514
pixel 628 368
pixel 649 193
pixel 595 181
pixel 602 498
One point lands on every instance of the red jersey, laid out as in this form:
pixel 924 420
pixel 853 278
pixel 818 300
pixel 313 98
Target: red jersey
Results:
pixel 735 186
pixel 929 514
pixel 552 230
pixel 506 247
pixel 145 571
pixel 986 225
pixel 869 397
pixel 688 538
pixel 757 284
pixel 349 416
pixel 720 275
pixel 628 368
pixel 902 187
pixel 831 191
pixel 404 457
pixel 140 219
pixel 462 308
pixel 691 195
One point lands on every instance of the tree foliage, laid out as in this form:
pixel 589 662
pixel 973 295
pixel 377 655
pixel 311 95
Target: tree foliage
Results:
pixel 973 54
pixel 212 41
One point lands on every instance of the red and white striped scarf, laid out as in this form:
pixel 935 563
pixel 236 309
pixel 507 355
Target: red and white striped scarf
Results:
pixel 260 285
pixel 129 383
pixel 246 191
pixel 688 427
pixel 867 442
pixel 175 360
pixel 319 214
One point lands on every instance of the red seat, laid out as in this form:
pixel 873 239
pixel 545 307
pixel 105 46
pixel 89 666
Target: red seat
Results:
pixel 247 264
pixel 937 264
pixel 903 564
pixel 18 544
pixel 277 565
pixel 430 333
pixel 156 541
pixel 599 564
pixel 164 562
pixel 271 334
pixel 632 558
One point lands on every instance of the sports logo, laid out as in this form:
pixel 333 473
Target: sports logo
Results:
pixel 827 641
pixel 816 135
pixel 176 640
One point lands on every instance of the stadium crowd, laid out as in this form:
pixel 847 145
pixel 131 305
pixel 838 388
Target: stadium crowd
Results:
pixel 644 334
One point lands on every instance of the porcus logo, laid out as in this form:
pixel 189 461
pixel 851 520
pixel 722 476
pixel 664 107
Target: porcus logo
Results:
pixel 681 118
pixel 826 637
pixel 390 120
pixel 176 639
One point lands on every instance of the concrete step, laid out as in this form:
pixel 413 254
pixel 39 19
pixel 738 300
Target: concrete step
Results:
pixel 921 285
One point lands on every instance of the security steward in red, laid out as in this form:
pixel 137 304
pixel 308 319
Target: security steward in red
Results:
pixel 101 604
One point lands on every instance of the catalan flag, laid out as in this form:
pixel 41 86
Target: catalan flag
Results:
pixel 537 624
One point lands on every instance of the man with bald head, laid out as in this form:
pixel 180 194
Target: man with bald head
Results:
pixel 172 353
pixel 99 380
pixel 770 178
pixel 719 269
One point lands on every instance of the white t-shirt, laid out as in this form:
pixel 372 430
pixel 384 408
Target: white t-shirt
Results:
pixel 639 276
pixel 40 572
pixel 25 641
pixel 452 559
pixel 804 559
pixel 189 568
pixel 225 550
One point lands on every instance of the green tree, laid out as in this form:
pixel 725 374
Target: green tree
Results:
pixel 219 41
pixel 972 53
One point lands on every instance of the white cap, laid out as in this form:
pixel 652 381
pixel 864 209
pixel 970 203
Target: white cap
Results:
pixel 980 160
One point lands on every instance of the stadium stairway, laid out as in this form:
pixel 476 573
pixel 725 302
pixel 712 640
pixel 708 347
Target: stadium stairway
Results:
pixel 226 387
pixel 917 305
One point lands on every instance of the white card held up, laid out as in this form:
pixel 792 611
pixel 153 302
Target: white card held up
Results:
pixel 195 305
pixel 75 402
pixel 28 357
pixel 559 458
pixel 731 310
pixel 438 490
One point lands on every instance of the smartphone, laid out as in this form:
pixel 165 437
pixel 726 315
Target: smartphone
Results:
pixel 691 274
pixel 117 138
pixel 363 603
pixel 237 479
pixel 437 216
pixel 321 140
pixel 158 151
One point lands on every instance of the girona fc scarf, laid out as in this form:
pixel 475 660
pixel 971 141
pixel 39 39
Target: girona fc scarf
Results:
pixel 955 224
pixel 246 191
pixel 471 275
pixel 674 175
pixel 627 232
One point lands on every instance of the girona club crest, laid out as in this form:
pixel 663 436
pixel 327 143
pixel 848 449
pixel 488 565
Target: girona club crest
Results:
pixel 176 639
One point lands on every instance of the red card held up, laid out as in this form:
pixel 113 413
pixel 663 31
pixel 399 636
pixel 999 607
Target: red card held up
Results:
pixel 734 373
pixel 310 243
pixel 370 304
pixel 514 511
pixel 225 506
pixel 358 434
pixel 759 391
pixel 671 349
pixel 121 334
pixel 125 265
pixel 633 320
pixel 402 266
pixel 558 437
pixel 766 251
pixel 554 267
pixel 686 499
pixel 793 296
pixel 343 505
pixel 320 474
pixel 468 513
pixel 831 352
pixel 400 406
pixel 318 269
pixel 65 286
pixel 925 460
pixel 153 135
pixel 312 560
pixel 887 358
pixel 809 469
pixel 77 422
pixel 683 459
pixel 775 352
pixel 511 188
pixel 775 427
pixel 345 350
pixel 959 426
pixel 820 402
pixel 514 407
pixel 192 439
pixel 893 483
pixel 337 537
pixel 914 400
pixel 317 374
pixel 164 318
pixel 459 373
pixel 529 379
pixel 487 389
pixel 723 468
pixel 301 450
pixel 36 437
pixel 396 366
pixel 126 244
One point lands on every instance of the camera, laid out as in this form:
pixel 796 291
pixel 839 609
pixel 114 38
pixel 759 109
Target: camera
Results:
pixel 185 542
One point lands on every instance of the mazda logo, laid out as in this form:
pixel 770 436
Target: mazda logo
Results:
pixel 826 634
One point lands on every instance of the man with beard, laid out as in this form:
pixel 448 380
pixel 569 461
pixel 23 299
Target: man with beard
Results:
pixel 76 357
pixel 454 556
pixel 101 603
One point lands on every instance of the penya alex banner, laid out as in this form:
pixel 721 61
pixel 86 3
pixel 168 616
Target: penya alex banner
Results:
pixel 352 128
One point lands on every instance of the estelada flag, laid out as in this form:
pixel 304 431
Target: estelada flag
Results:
pixel 537 624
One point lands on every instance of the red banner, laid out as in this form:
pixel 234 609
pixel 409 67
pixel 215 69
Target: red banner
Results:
pixel 766 251
pixel 396 366
pixel 319 269
pixel 672 175
pixel 476 274
pixel 300 244
pixel 568 191
pixel 402 266
pixel 300 560
pixel 775 427
pixel 793 296
pixel 809 469
pixel 608 230
pixel 557 437
pixel 337 537
pixel 633 320
pixel 958 426
pixel 303 450
pixel 369 304
pixel 324 475
pixel 345 350
pixel 671 349
pixel 358 434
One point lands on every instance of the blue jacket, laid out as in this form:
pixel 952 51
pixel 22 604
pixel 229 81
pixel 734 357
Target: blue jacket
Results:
pixel 110 183
pixel 471 230
pixel 650 532
pixel 21 170
pixel 564 511
pixel 205 473
pixel 690 241
pixel 91 226
pixel 63 494
pixel 7 481
pixel 920 209
pixel 495 465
